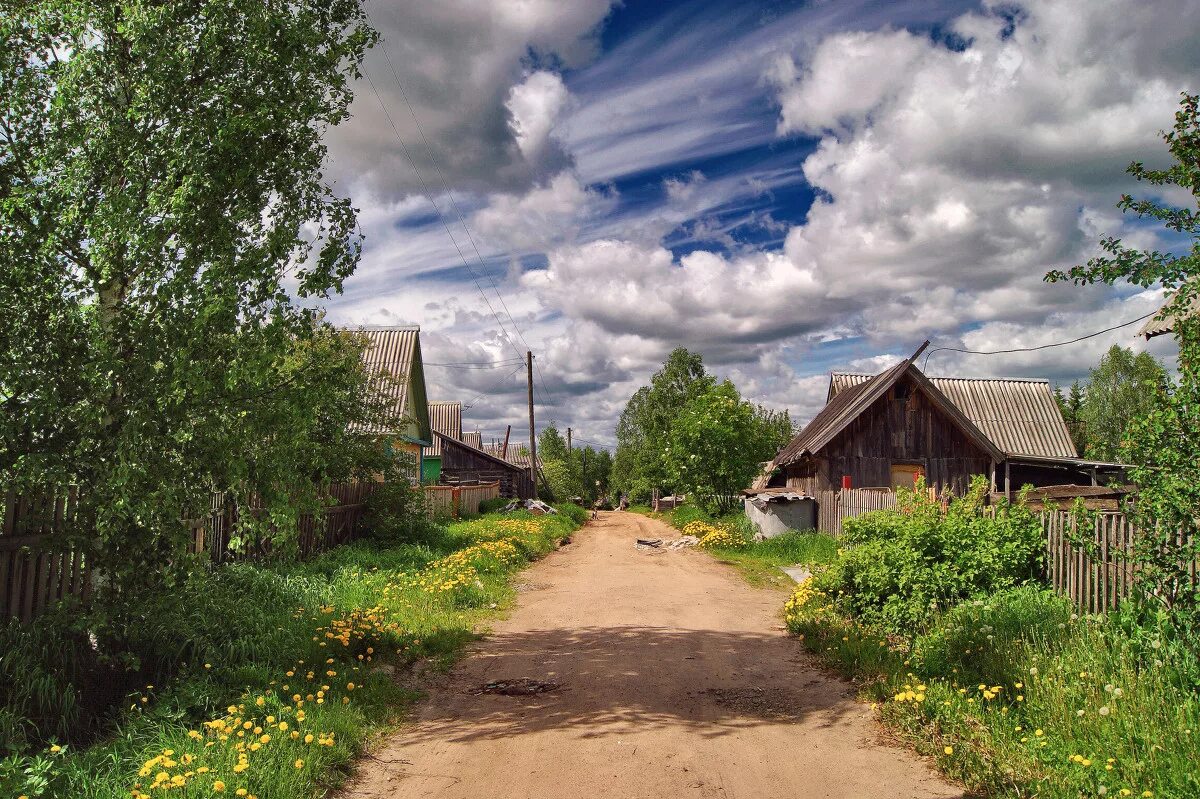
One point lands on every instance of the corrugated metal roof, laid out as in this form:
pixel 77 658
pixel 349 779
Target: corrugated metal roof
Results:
pixel 514 456
pixel 473 439
pixel 393 357
pixel 1154 326
pixel 1018 415
pixel 444 418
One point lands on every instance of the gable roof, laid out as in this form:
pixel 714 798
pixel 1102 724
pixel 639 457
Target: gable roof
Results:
pixel 393 358
pixel 449 442
pixel 1018 415
pixel 445 418
pixel 849 403
pixel 514 454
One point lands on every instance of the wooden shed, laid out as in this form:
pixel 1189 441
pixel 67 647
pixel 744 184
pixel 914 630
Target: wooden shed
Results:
pixel 463 463
pixel 888 430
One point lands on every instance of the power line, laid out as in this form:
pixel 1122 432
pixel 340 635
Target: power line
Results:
pixel 1039 347
pixel 462 220
pixel 441 217
pixel 470 403
pixel 474 364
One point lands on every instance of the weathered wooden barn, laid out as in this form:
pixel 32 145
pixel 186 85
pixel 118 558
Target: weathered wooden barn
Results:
pixel 463 463
pixel 889 429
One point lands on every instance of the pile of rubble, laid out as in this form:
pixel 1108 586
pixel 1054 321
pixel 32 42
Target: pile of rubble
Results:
pixel 668 543
pixel 534 506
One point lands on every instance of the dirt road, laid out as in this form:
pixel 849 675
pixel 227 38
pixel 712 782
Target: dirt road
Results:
pixel 675 679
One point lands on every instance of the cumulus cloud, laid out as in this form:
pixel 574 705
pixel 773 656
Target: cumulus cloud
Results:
pixel 464 67
pixel 950 180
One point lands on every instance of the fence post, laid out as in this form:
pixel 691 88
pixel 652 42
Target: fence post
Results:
pixel 455 501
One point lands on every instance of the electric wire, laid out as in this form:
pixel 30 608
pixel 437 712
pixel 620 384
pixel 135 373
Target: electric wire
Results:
pixel 441 217
pixel 461 218
pixel 925 363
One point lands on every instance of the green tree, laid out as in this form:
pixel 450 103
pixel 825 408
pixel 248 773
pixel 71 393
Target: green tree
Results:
pixel 1161 443
pixel 165 233
pixel 1071 406
pixel 1120 388
pixel 716 444
pixel 551 444
pixel 646 421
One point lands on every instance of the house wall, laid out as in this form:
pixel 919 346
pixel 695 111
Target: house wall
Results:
pixel 431 469
pixel 894 430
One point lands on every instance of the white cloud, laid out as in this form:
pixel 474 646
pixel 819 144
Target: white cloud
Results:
pixel 535 105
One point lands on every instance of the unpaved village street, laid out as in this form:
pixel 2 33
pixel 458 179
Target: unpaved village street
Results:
pixel 675 679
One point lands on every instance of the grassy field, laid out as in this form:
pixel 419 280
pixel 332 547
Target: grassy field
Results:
pixel 277 675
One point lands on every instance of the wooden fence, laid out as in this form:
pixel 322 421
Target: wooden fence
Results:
pixel 834 506
pixel 454 501
pixel 36 568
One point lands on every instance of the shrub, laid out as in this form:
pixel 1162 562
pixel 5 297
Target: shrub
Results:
pixel 904 565
pixel 397 513
pixel 493 505
pixel 573 512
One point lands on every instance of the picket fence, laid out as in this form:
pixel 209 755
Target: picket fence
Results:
pixel 834 506
pixel 39 566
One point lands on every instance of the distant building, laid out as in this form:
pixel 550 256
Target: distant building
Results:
pixel 890 429
pixel 444 418
pixel 465 464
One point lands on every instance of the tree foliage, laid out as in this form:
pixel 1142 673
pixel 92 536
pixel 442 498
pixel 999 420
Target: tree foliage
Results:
pixel 1161 443
pixel 1071 407
pixel 646 420
pixel 1120 388
pixel 165 228
pixel 581 472
pixel 717 443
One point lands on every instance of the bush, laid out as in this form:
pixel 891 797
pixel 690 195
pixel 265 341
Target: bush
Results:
pixel 575 513
pixel 905 565
pixel 493 505
pixel 397 513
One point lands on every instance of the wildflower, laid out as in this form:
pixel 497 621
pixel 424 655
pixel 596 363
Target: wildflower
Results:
pixel 949 750
pixel 1104 711
pixel 299 763
pixel 54 750
pixel 218 787
pixel 1038 732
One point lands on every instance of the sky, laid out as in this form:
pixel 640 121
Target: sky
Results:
pixel 787 188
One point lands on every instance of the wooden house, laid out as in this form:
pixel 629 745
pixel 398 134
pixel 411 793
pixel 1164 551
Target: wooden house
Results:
pixel 393 357
pixel 888 430
pixel 463 463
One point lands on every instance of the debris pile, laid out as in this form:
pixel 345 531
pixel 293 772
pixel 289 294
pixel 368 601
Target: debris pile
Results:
pixel 534 506
pixel 669 543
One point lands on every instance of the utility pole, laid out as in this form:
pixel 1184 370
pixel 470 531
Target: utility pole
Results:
pixel 504 449
pixel 532 434
pixel 568 440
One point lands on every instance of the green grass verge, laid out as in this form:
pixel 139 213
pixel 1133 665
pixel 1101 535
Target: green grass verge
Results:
pixel 279 674
pixel 1017 696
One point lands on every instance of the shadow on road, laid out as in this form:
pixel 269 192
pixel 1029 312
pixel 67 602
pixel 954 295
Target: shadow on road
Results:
pixel 618 680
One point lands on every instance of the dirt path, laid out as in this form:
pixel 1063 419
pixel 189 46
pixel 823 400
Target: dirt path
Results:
pixel 676 680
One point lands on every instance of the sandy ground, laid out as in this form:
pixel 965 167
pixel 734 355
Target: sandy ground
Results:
pixel 675 678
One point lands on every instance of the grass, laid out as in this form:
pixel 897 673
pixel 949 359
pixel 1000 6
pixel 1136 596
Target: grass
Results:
pixel 1017 696
pixel 273 677
pixel 759 561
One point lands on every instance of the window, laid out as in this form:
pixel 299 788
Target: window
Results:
pixel 905 475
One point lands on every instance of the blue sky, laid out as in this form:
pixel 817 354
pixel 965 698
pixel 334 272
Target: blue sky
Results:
pixel 788 188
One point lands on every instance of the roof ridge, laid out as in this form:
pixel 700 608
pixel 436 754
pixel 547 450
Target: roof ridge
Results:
pixel 386 328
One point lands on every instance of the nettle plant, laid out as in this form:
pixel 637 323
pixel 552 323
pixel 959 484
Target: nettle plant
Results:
pixel 1162 444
